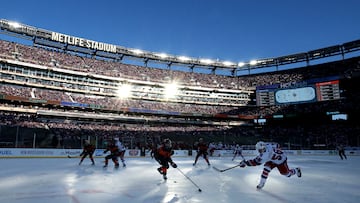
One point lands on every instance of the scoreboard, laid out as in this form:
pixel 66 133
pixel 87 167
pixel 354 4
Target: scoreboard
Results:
pixel 318 91
pixel 265 97
pixel 328 90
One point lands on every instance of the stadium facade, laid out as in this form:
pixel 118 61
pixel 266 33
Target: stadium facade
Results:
pixel 64 89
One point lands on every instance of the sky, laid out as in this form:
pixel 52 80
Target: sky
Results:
pixel 325 179
pixel 228 30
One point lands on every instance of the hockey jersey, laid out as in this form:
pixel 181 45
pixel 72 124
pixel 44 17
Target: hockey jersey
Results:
pixel 272 153
pixel 120 146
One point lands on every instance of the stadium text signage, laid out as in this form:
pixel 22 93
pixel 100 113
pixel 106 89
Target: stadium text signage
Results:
pixel 76 41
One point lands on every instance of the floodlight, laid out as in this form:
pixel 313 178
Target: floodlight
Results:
pixel 241 64
pixel 253 62
pixel 228 63
pixel 170 90
pixel 183 58
pixel 14 24
pixel 124 91
pixel 137 51
pixel 206 61
pixel 162 55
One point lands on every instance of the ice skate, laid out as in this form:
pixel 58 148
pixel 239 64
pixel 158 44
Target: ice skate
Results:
pixel 260 186
pixel 160 171
pixel 298 172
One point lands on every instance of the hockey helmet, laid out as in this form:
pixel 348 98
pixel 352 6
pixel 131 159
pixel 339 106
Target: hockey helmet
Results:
pixel 167 142
pixel 260 146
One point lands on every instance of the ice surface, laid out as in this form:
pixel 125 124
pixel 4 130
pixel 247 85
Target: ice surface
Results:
pixel 325 179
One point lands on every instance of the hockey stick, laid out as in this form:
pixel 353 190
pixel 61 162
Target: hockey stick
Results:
pixel 226 169
pixel 189 179
pixel 64 151
pixel 243 158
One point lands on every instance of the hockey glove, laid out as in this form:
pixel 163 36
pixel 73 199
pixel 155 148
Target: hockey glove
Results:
pixel 173 165
pixel 242 164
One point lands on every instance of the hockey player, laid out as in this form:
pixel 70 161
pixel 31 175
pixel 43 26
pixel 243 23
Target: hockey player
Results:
pixel 272 156
pixel 114 153
pixel 163 156
pixel 122 150
pixel 152 150
pixel 237 151
pixel 212 148
pixel 202 149
pixel 88 150
pixel 341 151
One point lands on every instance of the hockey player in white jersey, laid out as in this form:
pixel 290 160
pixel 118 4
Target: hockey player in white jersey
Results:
pixel 272 157
pixel 122 150
pixel 237 151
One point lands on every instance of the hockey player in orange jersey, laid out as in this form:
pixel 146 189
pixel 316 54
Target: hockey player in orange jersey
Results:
pixel 163 156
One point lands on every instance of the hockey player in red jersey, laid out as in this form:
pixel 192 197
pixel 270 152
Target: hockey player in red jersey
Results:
pixel 114 153
pixel 202 149
pixel 273 157
pixel 88 150
pixel 163 156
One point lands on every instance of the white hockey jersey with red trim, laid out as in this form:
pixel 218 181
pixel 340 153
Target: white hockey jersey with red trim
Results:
pixel 272 153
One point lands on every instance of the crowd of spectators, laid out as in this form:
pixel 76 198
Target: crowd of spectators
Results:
pixel 61 59
pixel 70 133
pixel 54 58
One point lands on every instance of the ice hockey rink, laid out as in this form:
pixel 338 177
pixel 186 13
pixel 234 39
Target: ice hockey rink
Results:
pixel 58 180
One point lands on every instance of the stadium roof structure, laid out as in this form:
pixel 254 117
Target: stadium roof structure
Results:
pixel 77 44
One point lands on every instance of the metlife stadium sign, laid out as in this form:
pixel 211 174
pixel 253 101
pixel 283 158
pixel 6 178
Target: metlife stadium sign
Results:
pixel 85 43
pixel 26 30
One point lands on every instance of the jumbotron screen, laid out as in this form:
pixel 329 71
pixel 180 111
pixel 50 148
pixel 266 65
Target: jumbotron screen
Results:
pixel 304 92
